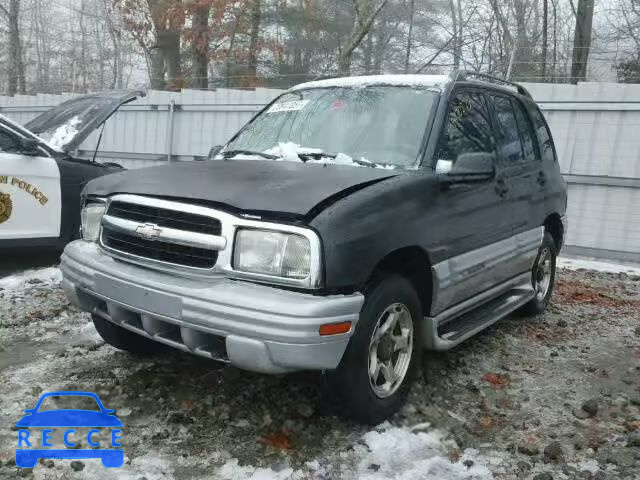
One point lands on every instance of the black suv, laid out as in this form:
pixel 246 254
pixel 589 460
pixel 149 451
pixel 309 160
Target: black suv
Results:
pixel 349 225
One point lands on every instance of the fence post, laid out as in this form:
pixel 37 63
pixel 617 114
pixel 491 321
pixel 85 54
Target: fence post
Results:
pixel 170 125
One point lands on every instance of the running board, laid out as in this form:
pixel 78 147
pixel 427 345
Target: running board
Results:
pixel 446 334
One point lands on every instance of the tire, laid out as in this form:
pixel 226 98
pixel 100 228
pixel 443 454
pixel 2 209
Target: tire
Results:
pixel 368 401
pixel 546 256
pixel 123 339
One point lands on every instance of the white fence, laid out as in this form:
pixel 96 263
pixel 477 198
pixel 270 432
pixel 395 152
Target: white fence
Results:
pixel 596 128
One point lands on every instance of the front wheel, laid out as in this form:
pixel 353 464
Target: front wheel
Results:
pixel 378 367
pixel 543 276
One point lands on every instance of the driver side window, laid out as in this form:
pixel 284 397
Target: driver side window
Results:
pixel 467 130
pixel 9 143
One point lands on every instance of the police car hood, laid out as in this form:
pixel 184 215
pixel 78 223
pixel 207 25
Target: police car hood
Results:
pixel 67 125
pixel 247 185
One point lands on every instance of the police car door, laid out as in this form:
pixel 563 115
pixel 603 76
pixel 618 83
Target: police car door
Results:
pixel 30 197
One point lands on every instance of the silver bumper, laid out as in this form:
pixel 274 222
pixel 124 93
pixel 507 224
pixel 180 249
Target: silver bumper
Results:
pixel 254 327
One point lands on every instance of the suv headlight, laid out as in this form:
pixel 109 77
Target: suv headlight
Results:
pixel 291 257
pixel 91 216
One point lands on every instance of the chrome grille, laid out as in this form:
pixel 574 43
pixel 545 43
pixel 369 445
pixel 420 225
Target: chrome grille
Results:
pixel 162 235
pixel 189 222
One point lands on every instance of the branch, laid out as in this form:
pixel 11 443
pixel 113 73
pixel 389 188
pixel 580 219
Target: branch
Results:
pixel 4 10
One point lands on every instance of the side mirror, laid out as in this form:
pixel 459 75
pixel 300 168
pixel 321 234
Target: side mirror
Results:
pixel 29 145
pixel 29 410
pixel 469 167
pixel 214 151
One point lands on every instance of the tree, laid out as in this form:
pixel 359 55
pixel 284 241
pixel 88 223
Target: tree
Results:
pixel 16 82
pixel 581 39
pixel 364 13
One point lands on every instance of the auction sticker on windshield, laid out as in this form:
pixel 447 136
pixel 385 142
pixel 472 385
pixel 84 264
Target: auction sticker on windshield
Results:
pixel 292 106
pixel 50 424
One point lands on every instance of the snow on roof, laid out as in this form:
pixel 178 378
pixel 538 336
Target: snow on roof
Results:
pixel 368 80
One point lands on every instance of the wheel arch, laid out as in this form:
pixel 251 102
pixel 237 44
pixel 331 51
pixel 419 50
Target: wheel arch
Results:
pixel 413 263
pixel 553 225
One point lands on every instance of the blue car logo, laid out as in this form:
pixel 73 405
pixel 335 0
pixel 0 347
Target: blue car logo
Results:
pixel 27 457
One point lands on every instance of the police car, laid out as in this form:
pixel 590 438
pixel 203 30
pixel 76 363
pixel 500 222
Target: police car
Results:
pixel 40 180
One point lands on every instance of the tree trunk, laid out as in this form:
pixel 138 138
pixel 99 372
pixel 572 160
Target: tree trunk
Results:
pixel 156 61
pixel 582 41
pixel 169 46
pixel 545 37
pixel 365 12
pixel 16 82
pixel 201 48
pixel 254 37
pixel 412 12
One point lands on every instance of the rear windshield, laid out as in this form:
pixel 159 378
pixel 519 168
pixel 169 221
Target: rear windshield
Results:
pixel 379 124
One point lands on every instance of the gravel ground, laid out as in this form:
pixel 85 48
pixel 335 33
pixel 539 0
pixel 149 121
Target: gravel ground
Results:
pixel 551 397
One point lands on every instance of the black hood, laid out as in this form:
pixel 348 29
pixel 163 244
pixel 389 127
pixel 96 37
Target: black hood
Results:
pixel 67 125
pixel 248 185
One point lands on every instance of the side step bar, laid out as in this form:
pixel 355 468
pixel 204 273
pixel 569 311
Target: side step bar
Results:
pixel 449 329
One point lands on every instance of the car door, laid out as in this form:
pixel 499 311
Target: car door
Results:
pixel 519 157
pixel 473 219
pixel 30 195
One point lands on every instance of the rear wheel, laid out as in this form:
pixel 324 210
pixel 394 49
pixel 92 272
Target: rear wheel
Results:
pixel 376 372
pixel 124 339
pixel 543 275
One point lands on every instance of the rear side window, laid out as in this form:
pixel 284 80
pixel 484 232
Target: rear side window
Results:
pixel 468 129
pixel 509 144
pixel 524 127
pixel 548 152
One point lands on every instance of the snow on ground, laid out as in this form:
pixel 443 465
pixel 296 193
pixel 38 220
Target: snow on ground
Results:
pixel 19 281
pixel 67 352
pixel 597 265
pixel 387 453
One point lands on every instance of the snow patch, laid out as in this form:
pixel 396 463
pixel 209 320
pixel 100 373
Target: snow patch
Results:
pixel 62 135
pixel 233 471
pixel 41 277
pixel 290 152
pixel 404 454
pixel 388 453
pixel 434 81
pixel 596 265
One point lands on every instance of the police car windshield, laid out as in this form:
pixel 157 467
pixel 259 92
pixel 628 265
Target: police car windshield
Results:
pixel 376 125
pixel 68 402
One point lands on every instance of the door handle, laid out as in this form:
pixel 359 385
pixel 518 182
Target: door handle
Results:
pixel 501 187
pixel 542 179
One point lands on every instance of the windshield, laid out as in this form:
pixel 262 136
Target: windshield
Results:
pixel 375 125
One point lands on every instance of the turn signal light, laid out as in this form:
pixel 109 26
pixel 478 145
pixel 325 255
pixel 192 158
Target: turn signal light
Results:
pixel 335 328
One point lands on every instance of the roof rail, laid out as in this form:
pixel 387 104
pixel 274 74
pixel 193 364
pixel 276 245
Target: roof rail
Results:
pixel 461 75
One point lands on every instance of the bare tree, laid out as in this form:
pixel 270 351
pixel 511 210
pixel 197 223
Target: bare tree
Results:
pixel 16 82
pixel 365 12
pixel 581 39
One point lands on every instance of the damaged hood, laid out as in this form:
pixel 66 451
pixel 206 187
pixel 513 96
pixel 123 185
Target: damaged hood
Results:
pixel 248 185
pixel 67 125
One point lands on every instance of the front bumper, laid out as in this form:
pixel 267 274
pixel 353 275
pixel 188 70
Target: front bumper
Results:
pixel 253 327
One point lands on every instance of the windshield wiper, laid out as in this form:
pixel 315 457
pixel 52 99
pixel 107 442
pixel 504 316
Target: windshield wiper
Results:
pixel 232 153
pixel 320 155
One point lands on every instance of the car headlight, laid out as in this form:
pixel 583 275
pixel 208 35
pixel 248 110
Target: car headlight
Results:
pixel 91 215
pixel 274 254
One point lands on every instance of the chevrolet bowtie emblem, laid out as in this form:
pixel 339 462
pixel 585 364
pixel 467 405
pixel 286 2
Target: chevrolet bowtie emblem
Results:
pixel 148 231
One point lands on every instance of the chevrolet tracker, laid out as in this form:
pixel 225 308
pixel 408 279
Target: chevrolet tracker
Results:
pixel 41 180
pixel 349 225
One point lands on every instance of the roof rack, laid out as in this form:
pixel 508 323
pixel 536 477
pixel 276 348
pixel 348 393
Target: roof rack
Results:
pixel 461 75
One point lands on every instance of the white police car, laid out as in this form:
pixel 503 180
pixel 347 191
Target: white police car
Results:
pixel 40 181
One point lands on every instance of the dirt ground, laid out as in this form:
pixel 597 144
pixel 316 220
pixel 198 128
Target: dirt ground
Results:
pixel 551 397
